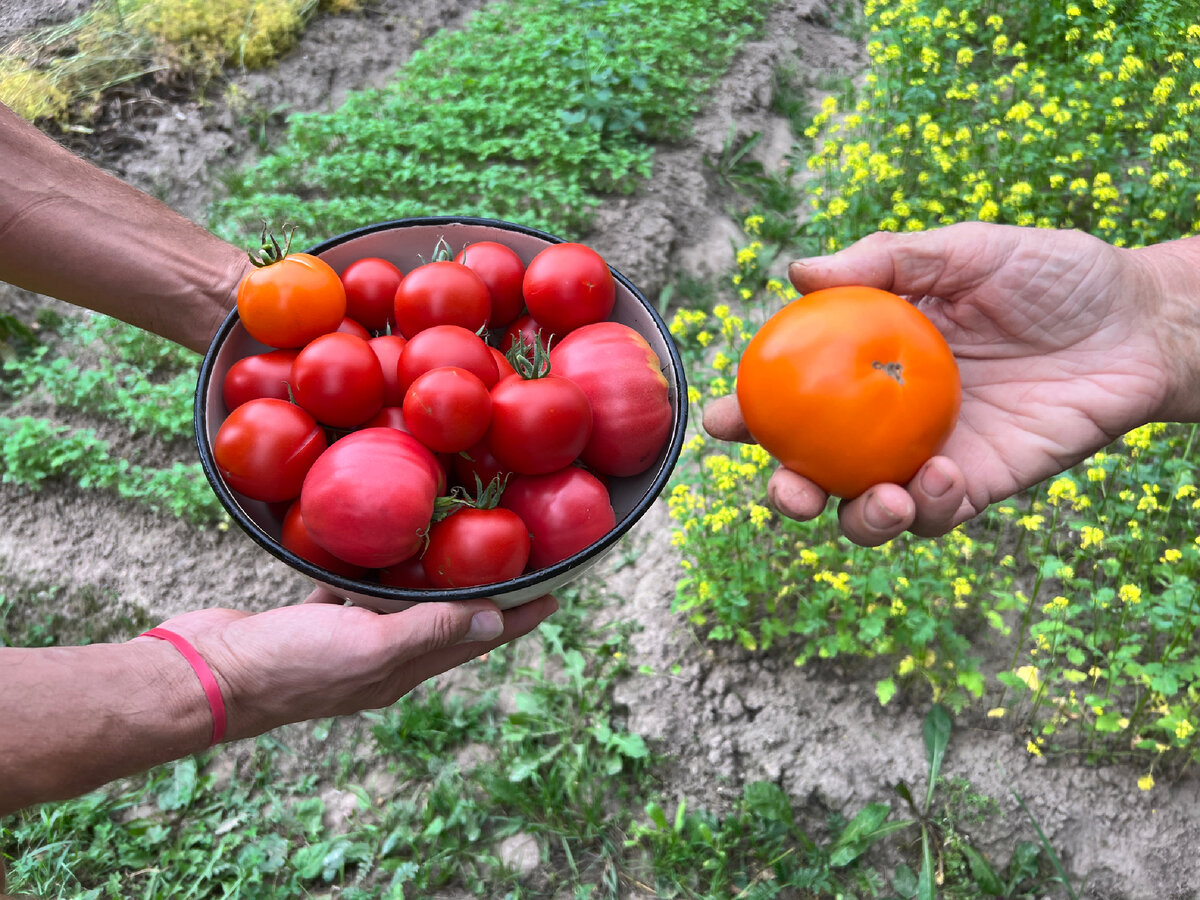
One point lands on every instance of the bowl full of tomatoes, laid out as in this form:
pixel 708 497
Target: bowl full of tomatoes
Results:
pixel 439 408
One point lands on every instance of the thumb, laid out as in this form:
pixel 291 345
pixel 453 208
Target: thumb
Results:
pixel 426 627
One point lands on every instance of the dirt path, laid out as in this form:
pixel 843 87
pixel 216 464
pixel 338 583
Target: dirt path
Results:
pixel 820 734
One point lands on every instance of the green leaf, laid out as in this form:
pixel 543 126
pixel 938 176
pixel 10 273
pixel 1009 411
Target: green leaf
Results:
pixel 985 876
pixel 864 830
pixel 926 886
pixel 885 690
pixel 936 731
pixel 768 801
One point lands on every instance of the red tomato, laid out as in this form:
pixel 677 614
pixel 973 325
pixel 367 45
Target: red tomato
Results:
pixel 503 366
pixel 476 462
pixel 338 379
pixel 850 387
pixel 260 375
pixel 629 395
pixel 472 547
pixel 349 326
pixel 527 331
pixel 408 573
pixel 565 511
pixel 388 348
pixel 369 498
pixel 388 417
pixel 446 345
pixel 291 299
pixel 441 292
pixel 295 537
pixel 567 286
pixel 370 285
pixel 265 448
pixel 502 270
pixel 448 409
pixel 539 424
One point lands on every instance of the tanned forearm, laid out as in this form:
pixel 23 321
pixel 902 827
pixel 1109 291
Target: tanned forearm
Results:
pixel 115 710
pixel 72 231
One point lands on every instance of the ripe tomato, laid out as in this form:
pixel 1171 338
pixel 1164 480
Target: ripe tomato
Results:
pixel 503 366
pixel 370 285
pixel 441 292
pixel 476 467
pixel 290 298
pixel 388 348
pixel 565 511
pixel 265 447
pixel 369 498
pixel 448 409
pixel 295 537
pixel 568 285
pixel 850 387
pixel 446 345
pixel 349 326
pixel 539 424
pixel 473 546
pixel 259 375
pixel 527 331
pixel 502 270
pixel 338 379
pixel 408 573
pixel 629 395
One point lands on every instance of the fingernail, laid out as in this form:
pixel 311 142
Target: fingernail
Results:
pixel 485 626
pixel 877 515
pixel 934 481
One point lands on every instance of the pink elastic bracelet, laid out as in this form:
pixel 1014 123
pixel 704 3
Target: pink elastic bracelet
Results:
pixel 208 681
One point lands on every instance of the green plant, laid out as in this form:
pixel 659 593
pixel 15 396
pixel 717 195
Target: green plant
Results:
pixel 531 113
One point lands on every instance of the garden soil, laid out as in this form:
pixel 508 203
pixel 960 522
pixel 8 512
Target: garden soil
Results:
pixel 725 717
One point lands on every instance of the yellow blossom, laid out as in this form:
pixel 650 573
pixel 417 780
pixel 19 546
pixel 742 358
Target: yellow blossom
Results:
pixel 1146 782
pixel 1130 593
pixel 997 712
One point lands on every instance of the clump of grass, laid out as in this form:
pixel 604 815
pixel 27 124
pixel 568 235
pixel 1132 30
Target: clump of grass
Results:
pixel 55 73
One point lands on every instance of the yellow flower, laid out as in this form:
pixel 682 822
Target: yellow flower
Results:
pixel 1171 556
pixel 1029 675
pixel 997 712
pixel 1031 523
pixel 1062 489
pixel 1090 536
pixel 1183 729
pixel 1146 782
pixel 1033 749
pixel 752 224
pixel 965 56
pixel 1130 593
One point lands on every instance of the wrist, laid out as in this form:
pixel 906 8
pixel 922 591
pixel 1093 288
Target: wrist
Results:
pixel 1172 272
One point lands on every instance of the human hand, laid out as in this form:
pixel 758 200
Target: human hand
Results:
pixel 321 658
pixel 1054 333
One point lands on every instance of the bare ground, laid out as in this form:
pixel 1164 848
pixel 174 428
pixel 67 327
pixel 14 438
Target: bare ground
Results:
pixel 725 717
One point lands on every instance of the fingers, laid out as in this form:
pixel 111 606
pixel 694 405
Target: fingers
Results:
pixel 795 496
pixel 453 648
pixel 723 420
pixel 321 595
pixel 940 262
pixel 928 507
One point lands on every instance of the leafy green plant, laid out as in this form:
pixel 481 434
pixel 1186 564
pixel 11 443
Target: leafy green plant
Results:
pixel 531 113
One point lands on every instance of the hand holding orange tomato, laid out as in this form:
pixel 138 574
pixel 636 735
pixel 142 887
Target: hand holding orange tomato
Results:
pixel 1058 338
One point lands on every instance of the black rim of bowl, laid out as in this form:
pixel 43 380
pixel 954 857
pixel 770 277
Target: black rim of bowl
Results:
pixel 404 595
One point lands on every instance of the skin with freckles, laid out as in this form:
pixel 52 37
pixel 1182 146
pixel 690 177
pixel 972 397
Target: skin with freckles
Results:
pixel 1063 342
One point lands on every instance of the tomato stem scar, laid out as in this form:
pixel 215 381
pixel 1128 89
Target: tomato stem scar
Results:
pixel 892 370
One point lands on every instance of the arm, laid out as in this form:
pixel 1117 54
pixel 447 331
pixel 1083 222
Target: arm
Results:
pixel 78 717
pixel 1063 341
pixel 72 231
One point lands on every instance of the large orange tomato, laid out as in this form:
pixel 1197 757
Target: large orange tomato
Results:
pixel 290 298
pixel 850 387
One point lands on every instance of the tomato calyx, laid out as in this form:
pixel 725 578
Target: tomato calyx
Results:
pixel 269 251
pixel 485 497
pixel 530 366
pixel 892 370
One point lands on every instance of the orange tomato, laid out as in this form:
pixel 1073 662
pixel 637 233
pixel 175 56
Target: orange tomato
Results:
pixel 287 301
pixel 850 387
